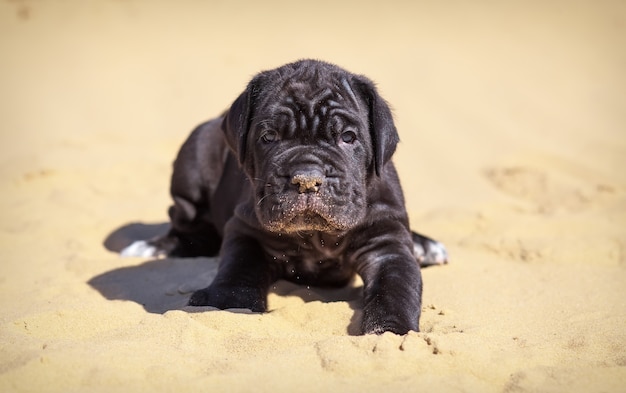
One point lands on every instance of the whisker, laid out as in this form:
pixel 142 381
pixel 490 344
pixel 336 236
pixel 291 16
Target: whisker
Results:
pixel 259 201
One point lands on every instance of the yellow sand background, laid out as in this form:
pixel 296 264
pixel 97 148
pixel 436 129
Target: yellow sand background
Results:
pixel 512 116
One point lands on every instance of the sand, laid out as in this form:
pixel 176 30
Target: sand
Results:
pixel 512 117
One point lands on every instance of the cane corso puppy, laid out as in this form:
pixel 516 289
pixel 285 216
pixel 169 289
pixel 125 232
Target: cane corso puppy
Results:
pixel 295 182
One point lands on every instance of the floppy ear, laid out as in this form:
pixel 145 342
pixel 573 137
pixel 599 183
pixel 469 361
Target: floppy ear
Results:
pixel 382 128
pixel 238 119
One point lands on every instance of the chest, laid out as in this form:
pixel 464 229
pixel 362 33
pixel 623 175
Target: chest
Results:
pixel 313 258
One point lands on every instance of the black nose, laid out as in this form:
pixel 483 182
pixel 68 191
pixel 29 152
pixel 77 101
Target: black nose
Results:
pixel 308 181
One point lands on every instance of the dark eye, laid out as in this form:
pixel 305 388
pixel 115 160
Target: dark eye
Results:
pixel 348 136
pixel 269 136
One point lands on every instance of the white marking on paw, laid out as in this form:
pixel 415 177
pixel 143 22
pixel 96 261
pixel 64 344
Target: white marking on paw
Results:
pixel 435 254
pixel 139 248
pixel 438 252
pixel 418 250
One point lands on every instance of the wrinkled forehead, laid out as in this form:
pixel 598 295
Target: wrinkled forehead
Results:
pixel 319 106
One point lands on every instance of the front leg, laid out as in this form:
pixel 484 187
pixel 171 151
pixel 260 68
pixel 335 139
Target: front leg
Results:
pixel 243 278
pixel 392 291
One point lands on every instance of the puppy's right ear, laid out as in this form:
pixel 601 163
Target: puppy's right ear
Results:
pixel 237 121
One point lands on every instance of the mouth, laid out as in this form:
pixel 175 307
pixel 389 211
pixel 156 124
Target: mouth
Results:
pixel 307 221
pixel 305 212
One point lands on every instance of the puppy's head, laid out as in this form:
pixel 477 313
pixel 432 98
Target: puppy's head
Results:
pixel 310 136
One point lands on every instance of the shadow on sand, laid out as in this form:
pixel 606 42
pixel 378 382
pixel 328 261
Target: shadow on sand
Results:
pixel 160 285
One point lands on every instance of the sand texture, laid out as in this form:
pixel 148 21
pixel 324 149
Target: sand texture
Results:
pixel 512 117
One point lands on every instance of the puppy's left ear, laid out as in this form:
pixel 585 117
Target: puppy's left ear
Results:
pixel 237 121
pixel 382 128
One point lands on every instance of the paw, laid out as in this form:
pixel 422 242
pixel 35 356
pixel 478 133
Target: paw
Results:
pixel 428 251
pixel 391 314
pixel 379 329
pixel 141 249
pixel 380 322
pixel 224 297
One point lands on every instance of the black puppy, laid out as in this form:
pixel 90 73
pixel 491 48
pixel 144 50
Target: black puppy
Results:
pixel 295 182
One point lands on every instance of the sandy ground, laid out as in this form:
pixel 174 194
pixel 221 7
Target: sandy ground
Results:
pixel 513 124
